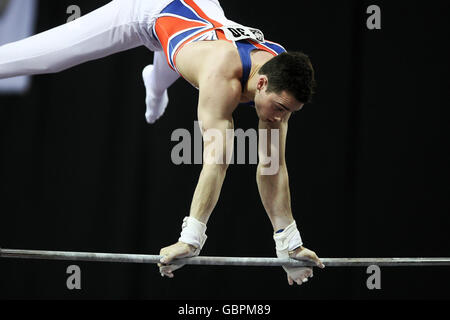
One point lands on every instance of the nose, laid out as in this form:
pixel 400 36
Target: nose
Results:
pixel 274 119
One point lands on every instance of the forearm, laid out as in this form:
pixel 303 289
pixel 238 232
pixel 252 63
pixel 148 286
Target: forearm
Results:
pixel 207 191
pixel 275 195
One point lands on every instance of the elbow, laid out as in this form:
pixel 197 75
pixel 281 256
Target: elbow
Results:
pixel 271 168
pixel 220 168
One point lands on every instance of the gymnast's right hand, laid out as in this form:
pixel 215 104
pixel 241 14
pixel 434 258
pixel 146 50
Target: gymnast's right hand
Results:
pixel 176 251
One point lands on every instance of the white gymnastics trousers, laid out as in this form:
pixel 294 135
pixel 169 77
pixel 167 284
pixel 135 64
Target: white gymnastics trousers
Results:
pixel 118 26
pixel 17 21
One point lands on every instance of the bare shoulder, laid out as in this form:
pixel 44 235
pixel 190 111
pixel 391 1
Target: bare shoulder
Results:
pixel 199 60
pixel 227 60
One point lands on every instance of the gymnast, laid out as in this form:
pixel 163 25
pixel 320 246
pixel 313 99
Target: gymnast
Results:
pixel 229 63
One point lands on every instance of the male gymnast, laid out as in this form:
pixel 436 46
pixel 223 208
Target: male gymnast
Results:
pixel 229 63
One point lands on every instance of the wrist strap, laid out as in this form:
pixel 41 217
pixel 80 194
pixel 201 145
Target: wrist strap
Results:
pixel 289 239
pixel 193 232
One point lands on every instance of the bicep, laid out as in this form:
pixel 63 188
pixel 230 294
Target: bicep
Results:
pixel 218 97
pixel 217 101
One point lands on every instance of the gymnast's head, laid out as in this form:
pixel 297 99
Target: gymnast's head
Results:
pixel 285 84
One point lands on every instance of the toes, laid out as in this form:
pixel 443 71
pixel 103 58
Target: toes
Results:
pixel 156 106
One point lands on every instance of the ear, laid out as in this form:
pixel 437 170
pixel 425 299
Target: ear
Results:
pixel 262 82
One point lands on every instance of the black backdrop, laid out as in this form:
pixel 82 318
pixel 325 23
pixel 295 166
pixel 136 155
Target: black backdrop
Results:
pixel 368 161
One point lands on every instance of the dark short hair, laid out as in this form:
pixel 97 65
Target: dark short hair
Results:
pixel 291 72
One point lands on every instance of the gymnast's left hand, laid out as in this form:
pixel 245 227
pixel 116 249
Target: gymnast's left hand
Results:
pixel 176 251
pixel 300 275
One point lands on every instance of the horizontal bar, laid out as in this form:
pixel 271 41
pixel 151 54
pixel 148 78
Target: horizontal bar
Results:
pixel 222 261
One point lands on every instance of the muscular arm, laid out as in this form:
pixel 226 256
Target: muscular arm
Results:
pixel 275 195
pixel 218 98
pixel 274 188
pixel 220 91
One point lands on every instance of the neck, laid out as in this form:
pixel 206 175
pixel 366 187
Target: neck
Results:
pixel 259 58
pixel 250 91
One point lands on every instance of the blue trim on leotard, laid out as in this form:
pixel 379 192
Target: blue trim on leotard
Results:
pixel 180 9
pixel 245 48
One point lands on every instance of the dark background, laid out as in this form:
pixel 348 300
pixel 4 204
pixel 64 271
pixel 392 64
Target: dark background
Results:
pixel 368 162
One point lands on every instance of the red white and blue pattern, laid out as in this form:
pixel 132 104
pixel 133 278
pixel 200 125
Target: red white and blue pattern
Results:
pixel 183 22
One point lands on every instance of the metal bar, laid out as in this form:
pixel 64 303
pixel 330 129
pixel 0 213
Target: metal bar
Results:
pixel 222 261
